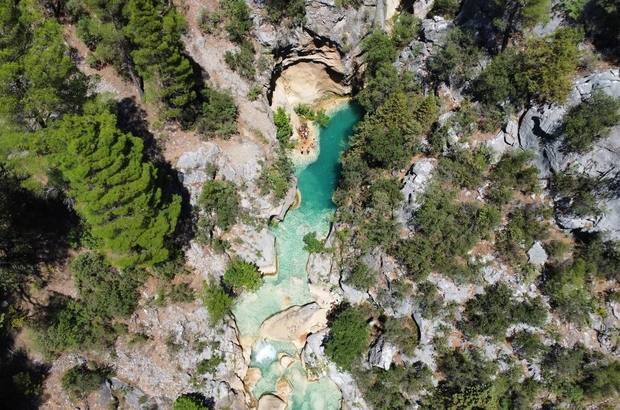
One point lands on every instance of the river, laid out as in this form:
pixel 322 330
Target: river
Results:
pixel 316 182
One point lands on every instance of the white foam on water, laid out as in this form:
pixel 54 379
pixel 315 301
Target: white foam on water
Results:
pixel 264 352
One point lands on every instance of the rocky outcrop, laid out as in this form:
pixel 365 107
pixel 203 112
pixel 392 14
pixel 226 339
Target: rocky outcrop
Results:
pixel 162 366
pixel 294 324
pixel 414 184
pixel 271 402
pixel 540 131
pixel 382 353
pixel 255 246
pixel 537 254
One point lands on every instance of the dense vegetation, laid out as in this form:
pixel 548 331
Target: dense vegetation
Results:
pixel 83 186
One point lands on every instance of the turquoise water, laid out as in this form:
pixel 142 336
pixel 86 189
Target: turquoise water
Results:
pixel 316 182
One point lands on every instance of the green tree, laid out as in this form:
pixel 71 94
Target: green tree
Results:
pixel 219 114
pixel 349 338
pixel 114 189
pixel 220 201
pixel 457 60
pixel 405 30
pixel 80 381
pixel 515 15
pixel 243 276
pixel 284 128
pixel 38 81
pixel 541 72
pixel 240 23
pixel 217 301
pixel 590 120
pixel 568 290
pixel 154 30
pixel 193 401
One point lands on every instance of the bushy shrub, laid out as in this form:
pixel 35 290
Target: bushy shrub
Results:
pixel 218 117
pixel 243 276
pixel 590 120
pixel 458 59
pixel 492 312
pixel 405 29
pixel 217 301
pixel 80 381
pixel 220 201
pixel 576 194
pixel 361 276
pixel 191 401
pixel 284 128
pixel 464 168
pixel 523 229
pixel 348 339
pixel 275 177
pixel 568 290
pixel 242 60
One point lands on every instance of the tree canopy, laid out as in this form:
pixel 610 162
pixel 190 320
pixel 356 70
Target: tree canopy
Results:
pixel 115 190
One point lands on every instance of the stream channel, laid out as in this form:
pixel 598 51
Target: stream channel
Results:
pixel 316 182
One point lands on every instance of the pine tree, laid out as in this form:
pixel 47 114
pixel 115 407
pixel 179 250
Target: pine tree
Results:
pixel 155 33
pixel 114 189
pixel 38 81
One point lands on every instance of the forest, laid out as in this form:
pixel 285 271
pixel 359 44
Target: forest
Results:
pixel 97 225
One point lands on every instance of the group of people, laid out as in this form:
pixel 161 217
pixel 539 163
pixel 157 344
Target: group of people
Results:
pixel 304 131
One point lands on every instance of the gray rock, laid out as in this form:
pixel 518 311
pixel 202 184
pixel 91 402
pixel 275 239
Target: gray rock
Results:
pixel 537 254
pixel 206 154
pixel 382 353
pixel 415 181
pixel 319 267
pixel 548 27
pixel 351 395
pixel 258 247
pixel 421 8
pixel 353 295
pixel 103 398
pixel 313 354
pixel 498 144
pixel 434 30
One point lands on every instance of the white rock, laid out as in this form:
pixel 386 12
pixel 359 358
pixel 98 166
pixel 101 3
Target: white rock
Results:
pixel 537 254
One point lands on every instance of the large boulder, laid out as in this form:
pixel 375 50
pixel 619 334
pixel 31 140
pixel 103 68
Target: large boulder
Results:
pixel 414 184
pixel 257 247
pixel 294 324
pixel 434 30
pixel 382 353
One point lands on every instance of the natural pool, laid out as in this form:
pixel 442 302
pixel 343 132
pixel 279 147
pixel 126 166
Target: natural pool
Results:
pixel 316 182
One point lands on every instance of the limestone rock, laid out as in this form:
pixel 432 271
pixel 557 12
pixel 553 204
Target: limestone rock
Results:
pixel 353 295
pixel 498 144
pixel 319 267
pixel 313 354
pixel 537 254
pixel 414 183
pixel 421 8
pixel 289 199
pixel 294 324
pixel 434 30
pixel 271 402
pixel 351 395
pixel 102 399
pixel 162 375
pixel 450 290
pixel 286 361
pixel 192 168
pixel 258 247
pixel 382 353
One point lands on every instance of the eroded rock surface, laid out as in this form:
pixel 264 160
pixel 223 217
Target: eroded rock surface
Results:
pixel 294 324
